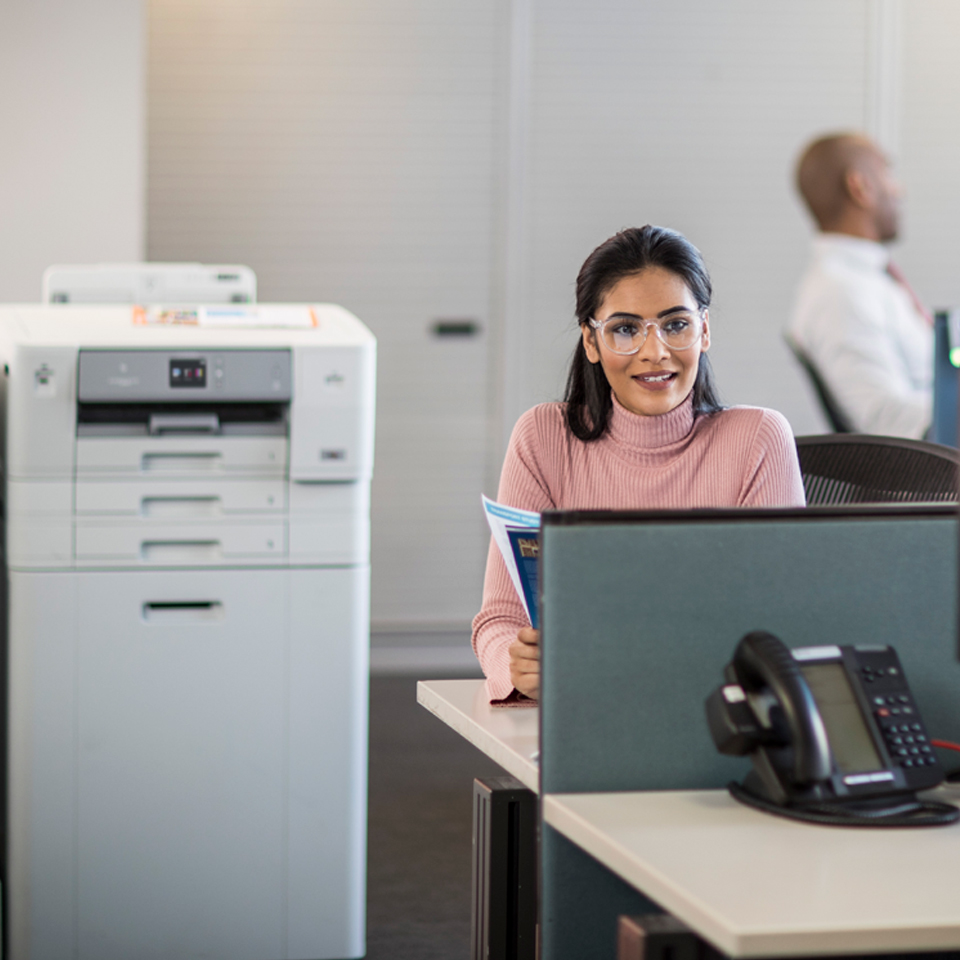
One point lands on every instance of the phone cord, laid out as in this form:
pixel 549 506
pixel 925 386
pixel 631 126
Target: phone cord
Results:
pixel 953 776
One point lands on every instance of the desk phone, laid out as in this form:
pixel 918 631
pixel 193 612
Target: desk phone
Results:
pixel 834 733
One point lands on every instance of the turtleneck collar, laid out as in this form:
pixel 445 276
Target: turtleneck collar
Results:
pixel 651 439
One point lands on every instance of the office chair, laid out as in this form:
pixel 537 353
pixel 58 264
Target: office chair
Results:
pixel 828 402
pixel 856 468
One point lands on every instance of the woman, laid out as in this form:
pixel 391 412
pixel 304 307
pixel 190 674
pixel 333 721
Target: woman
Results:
pixel 641 427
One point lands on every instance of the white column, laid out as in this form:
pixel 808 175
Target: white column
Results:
pixel 883 80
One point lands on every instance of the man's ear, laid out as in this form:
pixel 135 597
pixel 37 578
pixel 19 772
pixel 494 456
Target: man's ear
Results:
pixel 590 343
pixel 859 188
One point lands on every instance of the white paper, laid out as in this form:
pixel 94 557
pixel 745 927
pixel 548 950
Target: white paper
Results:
pixel 502 519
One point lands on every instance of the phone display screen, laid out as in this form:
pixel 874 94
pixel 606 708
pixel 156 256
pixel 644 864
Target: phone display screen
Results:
pixel 850 740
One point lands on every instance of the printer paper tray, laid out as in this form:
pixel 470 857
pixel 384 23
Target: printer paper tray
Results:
pixel 181 456
pixel 153 543
pixel 179 499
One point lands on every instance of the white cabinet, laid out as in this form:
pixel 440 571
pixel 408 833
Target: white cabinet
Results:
pixel 188 763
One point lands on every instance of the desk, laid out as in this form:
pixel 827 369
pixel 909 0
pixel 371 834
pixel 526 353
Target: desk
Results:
pixel 712 862
pixel 507 735
pixel 758 885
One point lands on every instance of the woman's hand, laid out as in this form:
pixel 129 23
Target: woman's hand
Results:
pixel 525 662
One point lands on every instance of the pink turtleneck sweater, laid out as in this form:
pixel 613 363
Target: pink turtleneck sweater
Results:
pixel 740 457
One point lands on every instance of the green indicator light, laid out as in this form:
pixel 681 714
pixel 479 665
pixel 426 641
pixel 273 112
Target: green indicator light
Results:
pixel 955 356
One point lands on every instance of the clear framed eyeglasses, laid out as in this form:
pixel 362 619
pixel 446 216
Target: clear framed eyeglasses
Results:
pixel 626 334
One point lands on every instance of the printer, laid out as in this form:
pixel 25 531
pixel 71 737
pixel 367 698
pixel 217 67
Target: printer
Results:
pixel 187 627
pixel 141 283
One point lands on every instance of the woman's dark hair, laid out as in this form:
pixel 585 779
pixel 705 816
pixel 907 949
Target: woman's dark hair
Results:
pixel 588 391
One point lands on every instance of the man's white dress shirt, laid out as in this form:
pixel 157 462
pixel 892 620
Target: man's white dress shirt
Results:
pixel 861 329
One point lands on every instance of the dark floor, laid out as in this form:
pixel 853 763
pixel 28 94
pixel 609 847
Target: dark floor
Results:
pixel 421 800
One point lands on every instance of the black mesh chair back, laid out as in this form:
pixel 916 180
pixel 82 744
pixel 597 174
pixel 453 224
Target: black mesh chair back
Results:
pixel 856 468
pixel 831 408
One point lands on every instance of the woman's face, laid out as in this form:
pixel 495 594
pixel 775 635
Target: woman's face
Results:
pixel 656 379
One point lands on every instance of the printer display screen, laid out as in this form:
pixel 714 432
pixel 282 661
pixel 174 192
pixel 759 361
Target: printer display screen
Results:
pixel 188 373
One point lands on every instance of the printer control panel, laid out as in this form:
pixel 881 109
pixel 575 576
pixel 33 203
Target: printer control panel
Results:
pixel 138 376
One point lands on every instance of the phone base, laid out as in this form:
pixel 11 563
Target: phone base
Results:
pixel 906 810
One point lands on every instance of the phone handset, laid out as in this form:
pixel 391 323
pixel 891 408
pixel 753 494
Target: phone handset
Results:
pixel 824 728
pixel 762 661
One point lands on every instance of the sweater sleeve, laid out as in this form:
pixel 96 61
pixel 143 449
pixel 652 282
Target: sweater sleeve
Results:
pixel 773 478
pixel 526 483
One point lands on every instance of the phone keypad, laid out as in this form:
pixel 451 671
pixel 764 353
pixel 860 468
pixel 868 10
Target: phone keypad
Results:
pixel 894 710
pixel 907 742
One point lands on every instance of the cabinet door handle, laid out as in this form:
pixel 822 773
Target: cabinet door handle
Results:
pixel 182 611
pixel 455 327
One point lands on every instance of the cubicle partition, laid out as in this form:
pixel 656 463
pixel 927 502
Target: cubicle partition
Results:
pixel 640 611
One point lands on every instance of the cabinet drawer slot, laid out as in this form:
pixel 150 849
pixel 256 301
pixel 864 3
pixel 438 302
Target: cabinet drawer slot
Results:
pixel 186 611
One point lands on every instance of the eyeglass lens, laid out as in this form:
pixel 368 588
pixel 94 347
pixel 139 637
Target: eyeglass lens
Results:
pixel 627 335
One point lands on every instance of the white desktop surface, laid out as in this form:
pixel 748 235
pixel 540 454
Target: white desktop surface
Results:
pixel 759 885
pixel 510 736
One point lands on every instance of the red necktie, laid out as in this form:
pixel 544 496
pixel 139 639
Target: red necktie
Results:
pixel 894 271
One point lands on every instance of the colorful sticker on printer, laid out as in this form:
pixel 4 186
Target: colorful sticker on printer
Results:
pixel 274 316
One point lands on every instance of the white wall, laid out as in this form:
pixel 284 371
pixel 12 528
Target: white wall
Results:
pixel 928 151
pixel 72 137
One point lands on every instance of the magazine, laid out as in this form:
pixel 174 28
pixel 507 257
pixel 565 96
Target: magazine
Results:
pixel 517 535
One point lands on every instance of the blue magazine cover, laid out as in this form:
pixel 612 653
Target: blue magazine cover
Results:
pixel 526 551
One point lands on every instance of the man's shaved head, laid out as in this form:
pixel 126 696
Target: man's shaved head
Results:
pixel 824 181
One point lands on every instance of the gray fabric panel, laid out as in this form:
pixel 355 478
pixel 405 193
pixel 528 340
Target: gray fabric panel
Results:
pixel 586 899
pixel 640 618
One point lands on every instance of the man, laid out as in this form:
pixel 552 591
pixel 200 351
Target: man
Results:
pixel 855 317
